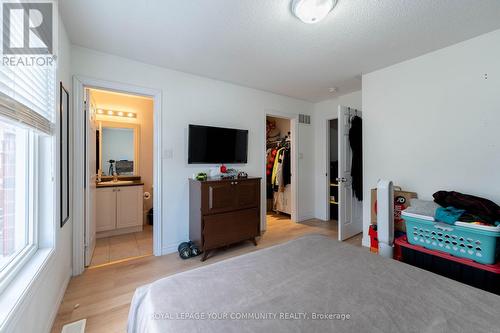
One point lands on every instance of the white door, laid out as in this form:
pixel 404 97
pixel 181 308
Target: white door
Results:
pixel 350 209
pixel 90 179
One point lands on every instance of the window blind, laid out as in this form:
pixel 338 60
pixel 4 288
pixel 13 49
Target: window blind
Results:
pixel 31 87
pixel 27 95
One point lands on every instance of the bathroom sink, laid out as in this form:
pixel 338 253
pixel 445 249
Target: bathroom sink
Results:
pixel 119 182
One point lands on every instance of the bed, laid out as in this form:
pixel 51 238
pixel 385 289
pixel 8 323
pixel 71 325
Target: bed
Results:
pixel 311 284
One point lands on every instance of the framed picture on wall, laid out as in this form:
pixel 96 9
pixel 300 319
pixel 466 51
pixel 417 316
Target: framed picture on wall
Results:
pixel 64 153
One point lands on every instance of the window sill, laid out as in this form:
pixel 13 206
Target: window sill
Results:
pixel 13 297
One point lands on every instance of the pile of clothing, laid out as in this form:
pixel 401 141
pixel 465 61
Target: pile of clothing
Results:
pixel 456 208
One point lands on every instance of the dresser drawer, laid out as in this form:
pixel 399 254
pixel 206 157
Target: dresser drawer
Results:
pixel 227 228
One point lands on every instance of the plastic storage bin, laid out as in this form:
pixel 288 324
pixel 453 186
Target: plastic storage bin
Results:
pixel 486 277
pixel 475 244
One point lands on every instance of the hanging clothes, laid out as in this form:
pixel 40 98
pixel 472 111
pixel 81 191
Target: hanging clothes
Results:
pixel 287 167
pixel 276 166
pixel 356 143
pixel 270 156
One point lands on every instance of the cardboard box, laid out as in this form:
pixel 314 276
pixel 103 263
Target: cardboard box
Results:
pixel 401 202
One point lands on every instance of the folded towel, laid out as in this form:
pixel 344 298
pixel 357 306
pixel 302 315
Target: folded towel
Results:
pixel 422 207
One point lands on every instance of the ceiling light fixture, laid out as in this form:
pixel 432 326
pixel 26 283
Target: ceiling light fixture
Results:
pixel 116 113
pixel 312 11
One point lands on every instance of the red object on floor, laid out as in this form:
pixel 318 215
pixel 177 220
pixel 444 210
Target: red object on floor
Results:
pixel 403 242
pixel 372 232
pixel 398 252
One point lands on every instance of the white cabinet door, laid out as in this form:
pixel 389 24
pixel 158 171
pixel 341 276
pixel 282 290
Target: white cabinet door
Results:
pixel 129 206
pixel 105 209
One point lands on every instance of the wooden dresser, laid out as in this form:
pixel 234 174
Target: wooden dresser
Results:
pixel 223 212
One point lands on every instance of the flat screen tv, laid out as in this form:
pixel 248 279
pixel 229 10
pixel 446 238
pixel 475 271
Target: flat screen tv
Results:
pixel 216 145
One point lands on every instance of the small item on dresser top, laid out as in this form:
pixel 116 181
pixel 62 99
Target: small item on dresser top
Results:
pixel 242 175
pixel 223 169
pixel 201 176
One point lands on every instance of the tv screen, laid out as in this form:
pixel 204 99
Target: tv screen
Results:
pixel 215 145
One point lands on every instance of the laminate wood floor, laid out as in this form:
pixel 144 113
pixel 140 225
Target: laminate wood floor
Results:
pixel 103 294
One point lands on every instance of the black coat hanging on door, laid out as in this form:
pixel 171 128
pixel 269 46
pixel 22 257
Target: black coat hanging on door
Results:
pixel 356 142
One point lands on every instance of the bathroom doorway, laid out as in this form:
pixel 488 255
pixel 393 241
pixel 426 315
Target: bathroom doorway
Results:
pixel 119 154
pixel 116 192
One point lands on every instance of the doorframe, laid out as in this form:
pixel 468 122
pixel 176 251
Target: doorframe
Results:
pixel 79 85
pixel 327 164
pixel 294 126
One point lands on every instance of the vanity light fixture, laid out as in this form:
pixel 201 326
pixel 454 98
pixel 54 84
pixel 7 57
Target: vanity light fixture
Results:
pixel 312 11
pixel 117 113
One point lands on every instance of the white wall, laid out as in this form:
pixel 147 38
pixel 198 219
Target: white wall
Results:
pixel 190 99
pixel 433 122
pixel 322 112
pixel 41 303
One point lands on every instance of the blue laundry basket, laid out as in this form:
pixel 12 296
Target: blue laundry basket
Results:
pixel 479 245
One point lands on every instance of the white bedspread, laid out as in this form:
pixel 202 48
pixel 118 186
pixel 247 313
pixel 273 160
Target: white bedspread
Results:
pixel 290 286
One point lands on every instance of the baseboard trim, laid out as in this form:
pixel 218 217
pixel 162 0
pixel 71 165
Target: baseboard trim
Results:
pixel 169 249
pixel 60 297
pixel 305 217
pixel 365 241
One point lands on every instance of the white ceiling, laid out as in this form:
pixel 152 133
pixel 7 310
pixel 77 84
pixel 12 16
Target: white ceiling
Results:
pixel 260 44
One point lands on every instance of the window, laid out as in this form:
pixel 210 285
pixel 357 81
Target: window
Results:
pixel 16 199
pixel 27 116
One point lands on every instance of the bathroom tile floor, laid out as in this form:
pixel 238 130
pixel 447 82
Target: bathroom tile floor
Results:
pixel 122 247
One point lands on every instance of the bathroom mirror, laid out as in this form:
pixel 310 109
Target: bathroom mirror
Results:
pixel 118 146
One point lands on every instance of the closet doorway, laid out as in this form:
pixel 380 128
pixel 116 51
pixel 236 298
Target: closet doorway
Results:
pixel 344 172
pixel 333 185
pixel 280 161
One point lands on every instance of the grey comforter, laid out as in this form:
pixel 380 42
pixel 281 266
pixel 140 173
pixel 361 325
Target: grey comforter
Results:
pixel 312 284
